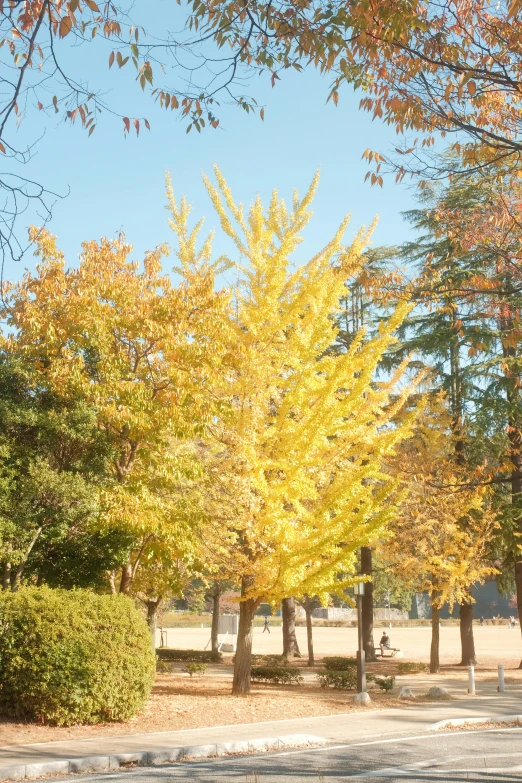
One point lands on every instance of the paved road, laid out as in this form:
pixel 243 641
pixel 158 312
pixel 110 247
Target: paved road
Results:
pixel 443 757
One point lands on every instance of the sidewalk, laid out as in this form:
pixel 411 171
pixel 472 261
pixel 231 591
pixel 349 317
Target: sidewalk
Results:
pixel 338 728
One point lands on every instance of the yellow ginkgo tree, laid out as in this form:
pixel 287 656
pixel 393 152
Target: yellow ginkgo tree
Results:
pixel 143 353
pixel 296 451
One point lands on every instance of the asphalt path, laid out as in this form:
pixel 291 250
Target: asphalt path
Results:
pixel 442 757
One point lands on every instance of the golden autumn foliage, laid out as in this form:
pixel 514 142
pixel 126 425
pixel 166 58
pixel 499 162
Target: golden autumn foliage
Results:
pixel 296 455
pixel 440 541
pixel 142 353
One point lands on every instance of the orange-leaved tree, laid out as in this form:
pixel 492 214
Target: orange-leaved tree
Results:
pixel 440 539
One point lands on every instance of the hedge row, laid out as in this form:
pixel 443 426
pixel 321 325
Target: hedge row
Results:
pixel 195 656
pixel 276 674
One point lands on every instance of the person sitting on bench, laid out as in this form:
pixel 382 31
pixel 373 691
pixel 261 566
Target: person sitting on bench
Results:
pixel 384 644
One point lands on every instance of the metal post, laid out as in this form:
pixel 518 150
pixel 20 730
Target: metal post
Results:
pixel 361 655
pixel 501 687
pixel 471 680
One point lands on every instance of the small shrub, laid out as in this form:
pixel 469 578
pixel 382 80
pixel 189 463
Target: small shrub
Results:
pixel 345 679
pixel 385 683
pixel 411 667
pixel 339 664
pixel 162 667
pixel 276 674
pixel 194 656
pixel 72 656
pixel 195 668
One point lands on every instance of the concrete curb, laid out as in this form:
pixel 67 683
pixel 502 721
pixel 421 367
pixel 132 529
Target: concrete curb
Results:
pixel 453 722
pixel 152 758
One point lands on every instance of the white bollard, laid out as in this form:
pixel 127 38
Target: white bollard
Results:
pixel 501 687
pixel 471 680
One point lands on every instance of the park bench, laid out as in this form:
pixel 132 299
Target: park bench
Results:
pixel 392 650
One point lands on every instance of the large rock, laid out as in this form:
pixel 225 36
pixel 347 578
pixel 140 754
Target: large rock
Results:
pixel 437 692
pixel 406 693
pixel 362 698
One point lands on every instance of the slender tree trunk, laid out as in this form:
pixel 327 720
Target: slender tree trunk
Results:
pixel 435 635
pixel 152 618
pixel 126 578
pixel 290 646
pixel 16 579
pixel 6 581
pixel 367 605
pixel 466 635
pixel 214 634
pixel 309 633
pixel 112 582
pixel 243 659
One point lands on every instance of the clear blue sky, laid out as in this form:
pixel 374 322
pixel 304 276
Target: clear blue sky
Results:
pixel 118 183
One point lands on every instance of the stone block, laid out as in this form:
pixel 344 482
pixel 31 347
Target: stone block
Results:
pixel 164 756
pixel 13 772
pixel 362 698
pixel 199 751
pixel 120 760
pixel 438 692
pixel 263 744
pixel 406 693
pixel 89 764
pixel 228 748
pixel 47 768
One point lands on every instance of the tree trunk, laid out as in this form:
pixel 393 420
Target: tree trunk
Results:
pixel 466 635
pixel 367 605
pixel 290 646
pixel 309 636
pixel 112 582
pixel 17 577
pixel 435 635
pixel 6 581
pixel 243 659
pixel 126 579
pixel 152 618
pixel 214 634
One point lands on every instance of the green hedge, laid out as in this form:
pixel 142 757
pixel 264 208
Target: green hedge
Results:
pixel 195 656
pixel 72 656
pixel 339 664
pixel 339 680
pixel 276 674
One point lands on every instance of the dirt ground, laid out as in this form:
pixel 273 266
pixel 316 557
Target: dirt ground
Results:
pixel 494 644
pixel 180 703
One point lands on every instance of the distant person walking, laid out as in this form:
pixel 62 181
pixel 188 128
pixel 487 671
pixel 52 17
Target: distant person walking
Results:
pixel 511 622
pixel 482 621
pixel 266 625
pixel 385 643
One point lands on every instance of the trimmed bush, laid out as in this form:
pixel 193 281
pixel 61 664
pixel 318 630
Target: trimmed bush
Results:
pixel 386 683
pixel 72 656
pixel 411 667
pixel 194 656
pixel 339 664
pixel 268 660
pixel 339 680
pixel 276 674
pixel 195 668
